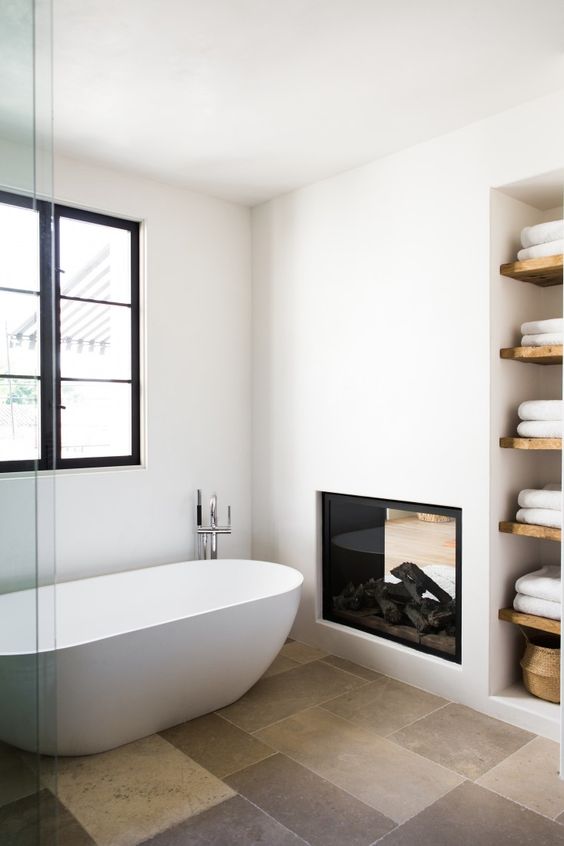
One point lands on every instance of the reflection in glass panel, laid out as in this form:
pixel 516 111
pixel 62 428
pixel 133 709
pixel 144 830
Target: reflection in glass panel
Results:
pixel 19 248
pixel 96 261
pixel 95 341
pixel 19 334
pixel 19 419
pixel 95 420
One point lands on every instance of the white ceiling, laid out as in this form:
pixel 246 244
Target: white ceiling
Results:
pixel 247 99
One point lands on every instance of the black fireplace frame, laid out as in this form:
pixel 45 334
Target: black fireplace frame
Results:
pixel 327 498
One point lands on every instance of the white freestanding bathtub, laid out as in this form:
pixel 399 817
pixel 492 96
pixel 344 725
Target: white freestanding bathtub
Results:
pixel 136 652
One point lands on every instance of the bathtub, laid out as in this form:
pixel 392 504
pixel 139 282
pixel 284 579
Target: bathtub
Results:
pixel 136 652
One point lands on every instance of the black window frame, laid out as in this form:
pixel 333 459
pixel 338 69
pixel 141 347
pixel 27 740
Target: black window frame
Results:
pixel 50 299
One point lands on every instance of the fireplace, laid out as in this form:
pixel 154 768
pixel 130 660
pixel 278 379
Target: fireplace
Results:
pixel 393 569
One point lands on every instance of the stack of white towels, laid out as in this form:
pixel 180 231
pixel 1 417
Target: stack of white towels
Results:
pixel 538 593
pixel 540 419
pixel 541 507
pixel 544 239
pixel 542 333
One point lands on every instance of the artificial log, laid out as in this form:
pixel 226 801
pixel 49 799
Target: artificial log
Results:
pixel 417 582
pixel 403 602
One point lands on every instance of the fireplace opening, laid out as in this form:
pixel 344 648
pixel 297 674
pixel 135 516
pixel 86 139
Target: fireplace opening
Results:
pixel 393 569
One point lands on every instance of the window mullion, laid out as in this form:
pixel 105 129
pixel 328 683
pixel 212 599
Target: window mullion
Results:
pixel 47 331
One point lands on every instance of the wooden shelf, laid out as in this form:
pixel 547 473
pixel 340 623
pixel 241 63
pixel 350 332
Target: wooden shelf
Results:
pixel 545 271
pixel 531 443
pixel 530 621
pixel 534 355
pixel 529 531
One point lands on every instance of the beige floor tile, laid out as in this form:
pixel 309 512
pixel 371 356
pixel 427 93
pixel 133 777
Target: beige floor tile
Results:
pixel 280 696
pixel 217 745
pixel 463 740
pixel 385 705
pixel 349 667
pixel 310 806
pixel 472 816
pixel 301 652
pixel 530 777
pixel 369 767
pixel 280 665
pixel 17 779
pixel 232 823
pixel 129 794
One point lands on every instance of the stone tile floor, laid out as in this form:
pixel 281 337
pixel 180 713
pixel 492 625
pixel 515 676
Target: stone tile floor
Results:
pixel 320 752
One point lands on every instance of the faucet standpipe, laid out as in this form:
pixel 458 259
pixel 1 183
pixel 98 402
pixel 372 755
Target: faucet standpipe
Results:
pixel 205 533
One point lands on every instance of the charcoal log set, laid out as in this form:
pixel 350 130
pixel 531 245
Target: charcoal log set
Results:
pixel 405 602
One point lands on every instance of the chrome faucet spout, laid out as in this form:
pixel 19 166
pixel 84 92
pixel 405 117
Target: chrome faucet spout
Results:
pixel 211 532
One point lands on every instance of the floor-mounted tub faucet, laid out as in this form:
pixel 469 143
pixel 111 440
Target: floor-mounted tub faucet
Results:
pixel 205 533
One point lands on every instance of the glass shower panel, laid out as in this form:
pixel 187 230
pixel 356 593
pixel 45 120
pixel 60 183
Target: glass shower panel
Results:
pixel 28 805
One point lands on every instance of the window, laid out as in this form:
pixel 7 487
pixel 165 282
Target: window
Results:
pixel 69 339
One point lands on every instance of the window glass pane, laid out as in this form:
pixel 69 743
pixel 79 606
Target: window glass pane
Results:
pixel 19 419
pixel 19 334
pixel 96 261
pixel 95 341
pixel 19 248
pixel 96 419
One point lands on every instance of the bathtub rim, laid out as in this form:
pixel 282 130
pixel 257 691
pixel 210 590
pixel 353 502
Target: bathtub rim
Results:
pixel 296 580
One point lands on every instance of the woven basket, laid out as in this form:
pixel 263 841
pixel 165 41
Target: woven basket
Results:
pixel 541 666
pixel 433 518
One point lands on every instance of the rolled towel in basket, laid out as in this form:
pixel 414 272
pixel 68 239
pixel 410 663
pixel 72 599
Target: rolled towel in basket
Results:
pixel 544 339
pixel 542 233
pixel 540 429
pixel 552 248
pixel 542 584
pixel 541 327
pixel 534 498
pixel 537 607
pixel 540 517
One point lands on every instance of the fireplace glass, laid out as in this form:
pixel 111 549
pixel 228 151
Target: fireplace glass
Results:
pixel 393 569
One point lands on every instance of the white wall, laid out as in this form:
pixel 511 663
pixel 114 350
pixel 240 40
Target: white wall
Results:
pixel 196 388
pixel 372 360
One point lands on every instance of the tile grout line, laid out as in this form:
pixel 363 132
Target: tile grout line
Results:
pixel 325 780
pixel 412 723
pixel 509 798
pixel 387 740
pixel 247 766
pixel 462 778
pixel 356 675
pixel 285 827
pixel 338 787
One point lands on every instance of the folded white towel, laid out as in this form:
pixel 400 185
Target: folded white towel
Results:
pixel 552 248
pixel 543 339
pixel 540 517
pixel 540 429
pixel 533 498
pixel 540 410
pixel 542 584
pixel 538 607
pixel 552 230
pixel 540 327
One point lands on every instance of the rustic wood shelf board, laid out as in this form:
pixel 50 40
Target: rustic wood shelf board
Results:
pixel 529 621
pixel 543 271
pixel 534 355
pixel 529 531
pixel 531 443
